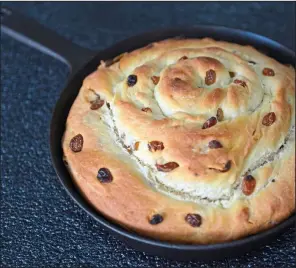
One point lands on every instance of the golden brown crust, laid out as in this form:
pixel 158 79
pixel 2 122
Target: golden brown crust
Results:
pixel 182 93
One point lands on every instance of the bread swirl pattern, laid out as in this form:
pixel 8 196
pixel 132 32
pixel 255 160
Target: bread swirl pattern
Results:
pixel 196 134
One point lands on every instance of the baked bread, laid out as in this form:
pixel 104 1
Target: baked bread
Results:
pixel 189 141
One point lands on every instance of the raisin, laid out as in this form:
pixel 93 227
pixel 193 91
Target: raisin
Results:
pixel 156 219
pixel 269 119
pixel 210 77
pixel 155 79
pixel 220 114
pixel 104 175
pixel 248 185
pixel 252 62
pixel 136 145
pixel 210 122
pixel 268 72
pixel 226 167
pixel 183 58
pixel 232 74
pixel 215 144
pixel 195 220
pixel 167 167
pixel 147 109
pixel 154 146
pixel 97 104
pixel 76 143
pixel 131 80
pixel 240 82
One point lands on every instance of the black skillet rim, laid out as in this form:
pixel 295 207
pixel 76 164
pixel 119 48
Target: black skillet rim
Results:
pixel 55 142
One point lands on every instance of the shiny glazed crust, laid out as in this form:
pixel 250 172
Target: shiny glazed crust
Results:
pixel 182 93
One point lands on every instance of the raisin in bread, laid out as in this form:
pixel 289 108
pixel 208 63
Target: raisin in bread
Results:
pixel 188 141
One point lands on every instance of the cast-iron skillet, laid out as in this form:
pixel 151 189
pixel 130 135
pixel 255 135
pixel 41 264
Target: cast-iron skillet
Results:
pixel 82 62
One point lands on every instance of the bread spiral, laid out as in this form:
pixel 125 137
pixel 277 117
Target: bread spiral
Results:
pixel 189 140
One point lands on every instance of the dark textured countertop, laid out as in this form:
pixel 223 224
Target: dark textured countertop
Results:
pixel 40 224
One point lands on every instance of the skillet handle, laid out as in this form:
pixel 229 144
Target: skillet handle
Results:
pixel 31 33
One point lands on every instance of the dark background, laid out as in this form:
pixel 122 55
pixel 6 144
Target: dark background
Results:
pixel 40 225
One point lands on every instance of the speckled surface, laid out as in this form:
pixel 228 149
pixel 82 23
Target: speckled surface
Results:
pixel 40 225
